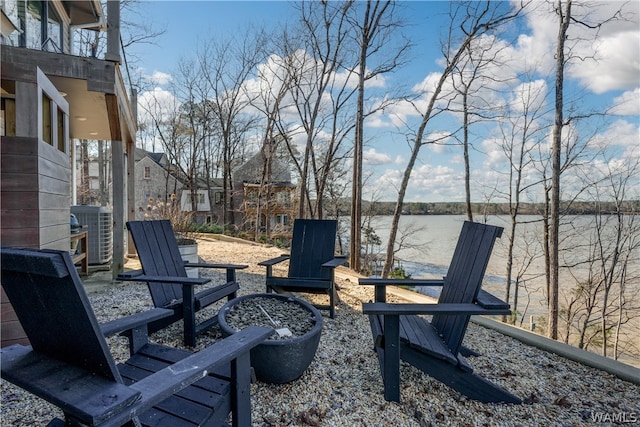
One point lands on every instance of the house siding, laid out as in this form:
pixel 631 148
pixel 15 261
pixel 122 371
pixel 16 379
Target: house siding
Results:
pixel 156 186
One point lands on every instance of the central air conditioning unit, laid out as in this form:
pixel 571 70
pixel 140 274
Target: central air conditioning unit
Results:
pixel 98 222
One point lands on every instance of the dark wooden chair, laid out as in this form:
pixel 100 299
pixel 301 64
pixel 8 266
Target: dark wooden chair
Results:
pixel 401 332
pixel 69 364
pixel 311 263
pixel 165 272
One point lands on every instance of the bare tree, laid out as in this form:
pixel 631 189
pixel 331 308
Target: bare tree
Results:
pixel 319 95
pixel 472 19
pixel 522 129
pixel 472 79
pixel 226 65
pixel 273 85
pixel 162 111
pixel 564 13
pixel 616 246
pixel 374 24
pixel 566 18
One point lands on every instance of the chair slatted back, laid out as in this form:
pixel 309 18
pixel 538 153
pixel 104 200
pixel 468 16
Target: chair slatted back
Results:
pixel 49 299
pixel 313 244
pixel 159 255
pixel 464 278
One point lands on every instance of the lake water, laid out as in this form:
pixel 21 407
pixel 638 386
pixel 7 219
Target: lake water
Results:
pixel 429 242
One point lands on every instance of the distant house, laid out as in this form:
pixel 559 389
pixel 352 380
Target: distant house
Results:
pixel 157 182
pixel 266 201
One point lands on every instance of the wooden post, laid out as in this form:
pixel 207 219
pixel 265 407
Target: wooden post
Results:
pixel 131 188
pixel 117 164
pixel 113 31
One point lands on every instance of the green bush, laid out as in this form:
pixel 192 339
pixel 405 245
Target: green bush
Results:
pixel 399 273
pixel 209 228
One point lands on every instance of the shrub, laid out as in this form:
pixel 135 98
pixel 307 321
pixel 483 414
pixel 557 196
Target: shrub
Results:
pixel 399 273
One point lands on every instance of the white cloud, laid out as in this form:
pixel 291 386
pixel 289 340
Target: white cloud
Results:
pixel 159 103
pixel 615 65
pixel 160 78
pixel 627 104
pixel 621 134
pixel 427 183
pixel 378 120
pixel 438 148
pixel 529 96
pixel 372 157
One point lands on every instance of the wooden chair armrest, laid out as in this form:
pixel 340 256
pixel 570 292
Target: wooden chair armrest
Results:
pixel 160 385
pixel 275 260
pixel 134 321
pixel 489 301
pixel 335 262
pixel 168 279
pixel 222 266
pixel 381 284
pixel 409 309
pixel 91 399
pixel 400 282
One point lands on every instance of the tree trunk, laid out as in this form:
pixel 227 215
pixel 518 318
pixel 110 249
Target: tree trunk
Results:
pixel 554 231
pixel 467 172
pixel 356 195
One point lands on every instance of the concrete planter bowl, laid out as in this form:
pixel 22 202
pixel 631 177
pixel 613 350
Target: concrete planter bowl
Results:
pixel 280 359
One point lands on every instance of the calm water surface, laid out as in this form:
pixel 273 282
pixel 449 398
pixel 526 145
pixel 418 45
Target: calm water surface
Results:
pixel 430 241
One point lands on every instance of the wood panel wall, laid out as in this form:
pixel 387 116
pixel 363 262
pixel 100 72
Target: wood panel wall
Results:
pixel 35 205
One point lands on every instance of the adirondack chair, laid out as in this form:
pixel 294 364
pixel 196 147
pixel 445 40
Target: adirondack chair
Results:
pixel 311 263
pixel 401 332
pixel 164 270
pixel 69 364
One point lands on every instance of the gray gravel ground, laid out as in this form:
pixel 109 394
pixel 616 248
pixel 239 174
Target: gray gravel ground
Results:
pixel 343 386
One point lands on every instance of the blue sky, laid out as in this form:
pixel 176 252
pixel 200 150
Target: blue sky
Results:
pixel 613 81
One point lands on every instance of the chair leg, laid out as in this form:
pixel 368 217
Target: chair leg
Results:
pixel 391 368
pixel 241 390
pixel 189 315
pixel 332 302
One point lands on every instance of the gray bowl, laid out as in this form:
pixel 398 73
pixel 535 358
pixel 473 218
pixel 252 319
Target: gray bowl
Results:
pixel 283 360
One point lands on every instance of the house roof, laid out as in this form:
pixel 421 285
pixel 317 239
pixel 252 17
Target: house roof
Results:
pixel 251 171
pixel 160 160
pixel 141 154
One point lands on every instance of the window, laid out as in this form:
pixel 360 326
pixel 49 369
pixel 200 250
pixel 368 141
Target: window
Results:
pixel 53 126
pixel 53 35
pixel 282 219
pixel 31 18
pixel 62 140
pixel 147 172
pixel 219 197
pixel 41 24
pixel 198 198
pixel 8 109
pixel 283 197
pixel 47 135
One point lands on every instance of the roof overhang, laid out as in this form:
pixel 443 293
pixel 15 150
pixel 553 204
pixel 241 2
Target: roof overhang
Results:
pixel 6 25
pixel 99 107
pixel 84 13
